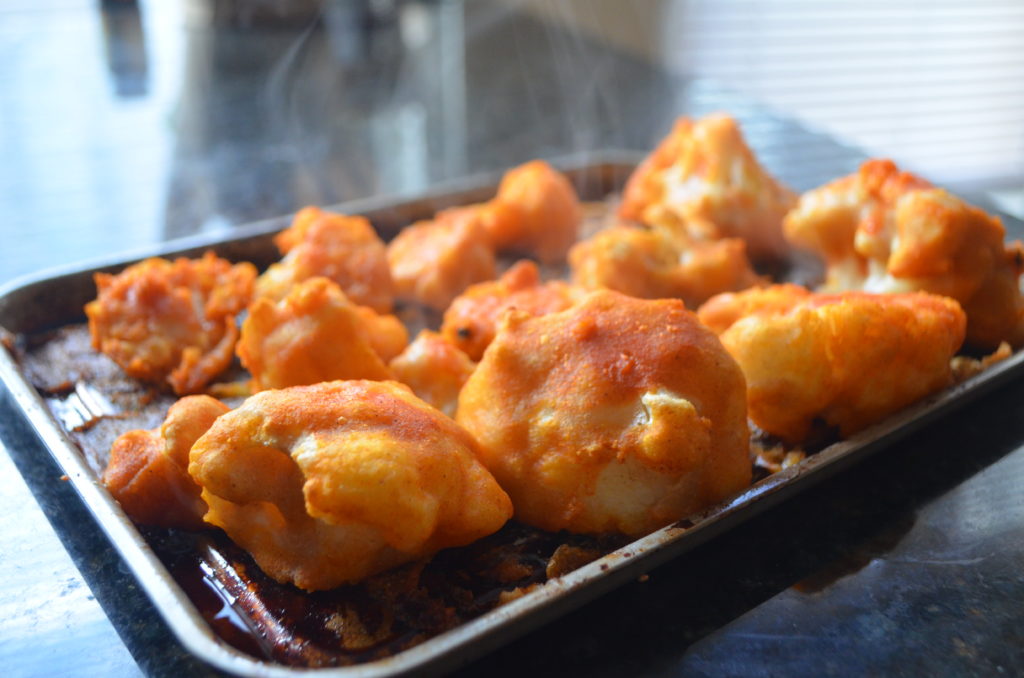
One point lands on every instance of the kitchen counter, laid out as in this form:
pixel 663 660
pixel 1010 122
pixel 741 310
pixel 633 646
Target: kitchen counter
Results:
pixel 128 126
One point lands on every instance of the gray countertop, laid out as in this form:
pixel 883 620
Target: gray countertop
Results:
pixel 124 128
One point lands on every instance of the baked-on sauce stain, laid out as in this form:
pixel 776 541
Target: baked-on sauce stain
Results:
pixel 377 618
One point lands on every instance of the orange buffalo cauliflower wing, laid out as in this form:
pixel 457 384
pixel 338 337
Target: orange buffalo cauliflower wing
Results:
pixel 616 415
pixel 313 334
pixel 882 230
pixel 171 321
pixel 848 360
pixel 470 321
pixel 435 369
pixel 433 261
pixel 703 182
pixel 331 483
pixel 652 265
pixel 148 470
pixel 343 248
pixel 536 211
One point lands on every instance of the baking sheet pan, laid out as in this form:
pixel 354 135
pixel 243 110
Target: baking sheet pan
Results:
pixel 56 299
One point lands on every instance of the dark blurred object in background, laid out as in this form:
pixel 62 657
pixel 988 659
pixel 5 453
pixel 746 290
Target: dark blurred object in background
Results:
pixel 125 46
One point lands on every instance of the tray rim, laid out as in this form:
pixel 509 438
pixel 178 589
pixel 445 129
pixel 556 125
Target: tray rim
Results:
pixel 468 641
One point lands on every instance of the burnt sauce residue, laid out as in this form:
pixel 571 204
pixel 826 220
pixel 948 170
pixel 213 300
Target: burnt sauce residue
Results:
pixel 376 618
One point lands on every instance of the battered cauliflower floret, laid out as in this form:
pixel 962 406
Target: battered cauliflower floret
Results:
pixel 148 470
pixel 314 334
pixel 331 483
pixel 849 360
pixel 703 182
pixel 652 265
pixel 616 415
pixel 536 211
pixel 171 322
pixel 435 369
pixel 433 261
pixel 471 320
pixel 883 231
pixel 343 248
pixel 721 311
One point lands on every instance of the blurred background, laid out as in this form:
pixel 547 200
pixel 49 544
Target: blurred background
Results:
pixel 127 123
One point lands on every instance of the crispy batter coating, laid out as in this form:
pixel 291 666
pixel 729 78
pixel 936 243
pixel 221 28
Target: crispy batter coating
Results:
pixel 652 265
pixel 721 311
pixel 471 320
pixel 882 230
pixel 343 248
pixel 387 335
pixel 148 470
pixel 435 369
pixel 171 321
pixel 849 359
pixel 616 415
pixel 432 262
pixel 703 182
pixel 313 334
pixel 330 483
pixel 536 211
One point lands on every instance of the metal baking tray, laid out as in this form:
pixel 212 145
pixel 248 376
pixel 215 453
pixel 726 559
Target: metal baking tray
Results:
pixel 56 299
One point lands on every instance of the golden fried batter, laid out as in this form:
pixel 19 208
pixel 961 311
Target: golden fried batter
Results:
pixel 849 359
pixel 703 182
pixel 616 415
pixel 148 470
pixel 314 334
pixel 470 321
pixel 652 265
pixel 721 311
pixel 330 483
pixel 432 262
pixel 882 230
pixel 171 322
pixel 343 248
pixel 536 211
pixel 387 335
pixel 435 369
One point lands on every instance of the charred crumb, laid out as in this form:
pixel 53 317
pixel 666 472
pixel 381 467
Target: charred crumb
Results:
pixel 964 367
pixel 770 459
pixel 8 340
pixel 61 390
pixel 567 558
pixel 514 594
